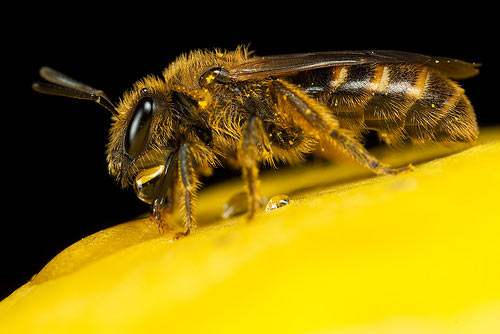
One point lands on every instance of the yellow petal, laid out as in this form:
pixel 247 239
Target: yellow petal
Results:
pixel 351 253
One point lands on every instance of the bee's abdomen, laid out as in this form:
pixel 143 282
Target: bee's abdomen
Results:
pixel 400 101
pixel 441 112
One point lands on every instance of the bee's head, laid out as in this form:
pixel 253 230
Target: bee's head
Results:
pixel 141 145
pixel 141 133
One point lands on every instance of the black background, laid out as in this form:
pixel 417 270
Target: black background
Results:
pixel 54 170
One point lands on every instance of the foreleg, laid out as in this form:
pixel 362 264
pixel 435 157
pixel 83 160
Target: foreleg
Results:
pixel 162 206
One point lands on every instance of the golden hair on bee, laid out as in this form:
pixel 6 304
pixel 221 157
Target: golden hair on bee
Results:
pixel 186 70
pixel 217 108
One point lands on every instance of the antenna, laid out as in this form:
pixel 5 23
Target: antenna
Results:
pixel 63 85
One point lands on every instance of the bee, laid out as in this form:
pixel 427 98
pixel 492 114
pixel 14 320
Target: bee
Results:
pixel 214 107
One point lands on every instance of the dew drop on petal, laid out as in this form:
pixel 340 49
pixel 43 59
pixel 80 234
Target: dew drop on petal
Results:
pixel 236 205
pixel 277 202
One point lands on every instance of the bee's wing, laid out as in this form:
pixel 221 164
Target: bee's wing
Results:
pixel 283 65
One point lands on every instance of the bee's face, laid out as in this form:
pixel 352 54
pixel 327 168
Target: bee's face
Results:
pixel 141 137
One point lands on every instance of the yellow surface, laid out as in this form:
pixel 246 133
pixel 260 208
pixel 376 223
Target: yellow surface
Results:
pixel 351 253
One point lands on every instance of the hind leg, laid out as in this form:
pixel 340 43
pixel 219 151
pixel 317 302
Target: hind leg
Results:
pixel 315 118
pixel 360 154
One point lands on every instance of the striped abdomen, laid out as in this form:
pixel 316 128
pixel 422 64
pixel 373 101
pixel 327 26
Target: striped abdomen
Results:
pixel 397 100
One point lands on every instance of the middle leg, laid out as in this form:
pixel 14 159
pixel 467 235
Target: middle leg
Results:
pixel 253 147
pixel 189 185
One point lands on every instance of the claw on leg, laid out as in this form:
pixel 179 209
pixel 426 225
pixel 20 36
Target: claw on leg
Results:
pixel 179 235
pixel 394 171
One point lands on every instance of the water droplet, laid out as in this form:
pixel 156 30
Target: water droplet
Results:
pixel 277 202
pixel 236 205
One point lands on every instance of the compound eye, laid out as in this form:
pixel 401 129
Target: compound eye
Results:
pixel 138 128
